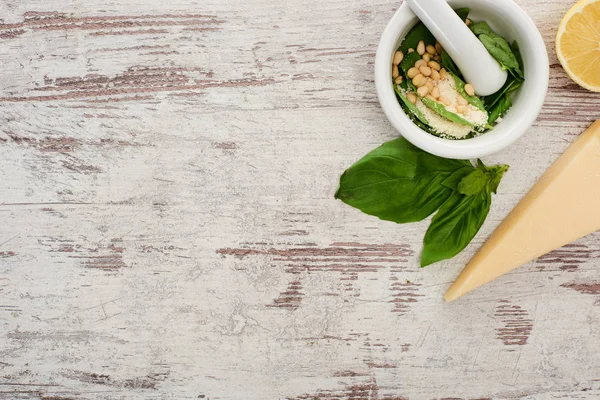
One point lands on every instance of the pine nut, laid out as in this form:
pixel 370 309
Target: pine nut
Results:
pixel 438 47
pixel 421 48
pixel 398 57
pixel 469 89
pixel 434 65
pixel 426 71
pixel 429 84
pixel 410 50
pixel 395 72
pixel 468 22
pixel 462 101
pixel 430 49
pixel 423 91
pixel 412 72
pixel 430 97
pixel 435 92
pixel 435 75
pixel 438 58
pixel 418 80
pixel 412 98
pixel 444 100
pixel 420 63
pixel 462 109
pixel 443 73
pixel 426 57
pixel 398 80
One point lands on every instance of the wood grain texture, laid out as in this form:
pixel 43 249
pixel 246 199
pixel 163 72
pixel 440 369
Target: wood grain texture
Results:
pixel 168 227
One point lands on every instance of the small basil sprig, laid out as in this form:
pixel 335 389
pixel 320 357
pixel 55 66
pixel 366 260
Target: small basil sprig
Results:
pixel 462 215
pixel 399 182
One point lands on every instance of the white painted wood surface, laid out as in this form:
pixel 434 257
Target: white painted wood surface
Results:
pixel 168 227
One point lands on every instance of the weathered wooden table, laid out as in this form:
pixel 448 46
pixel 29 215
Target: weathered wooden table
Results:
pixel 168 228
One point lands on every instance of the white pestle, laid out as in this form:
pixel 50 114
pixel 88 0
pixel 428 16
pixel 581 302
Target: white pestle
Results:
pixel 477 65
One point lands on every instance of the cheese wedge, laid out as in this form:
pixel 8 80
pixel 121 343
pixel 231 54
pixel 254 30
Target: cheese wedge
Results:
pixel 562 207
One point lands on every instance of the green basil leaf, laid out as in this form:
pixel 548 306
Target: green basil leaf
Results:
pixel 441 109
pixel 498 110
pixel 460 88
pixel 454 226
pixel 454 179
pixel 410 106
pixel 398 182
pixel 461 217
pixel 474 183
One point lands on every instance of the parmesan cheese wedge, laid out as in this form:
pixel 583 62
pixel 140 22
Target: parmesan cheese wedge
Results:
pixel 562 207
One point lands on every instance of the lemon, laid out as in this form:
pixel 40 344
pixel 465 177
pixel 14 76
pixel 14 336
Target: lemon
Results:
pixel 578 44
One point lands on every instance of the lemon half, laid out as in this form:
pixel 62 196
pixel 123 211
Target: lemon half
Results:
pixel 578 44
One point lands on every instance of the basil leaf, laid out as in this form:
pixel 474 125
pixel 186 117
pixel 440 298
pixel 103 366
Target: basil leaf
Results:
pixel 461 217
pixel 460 88
pixel 441 109
pixel 454 226
pixel 411 107
pixel 501 107
pixel 398 182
